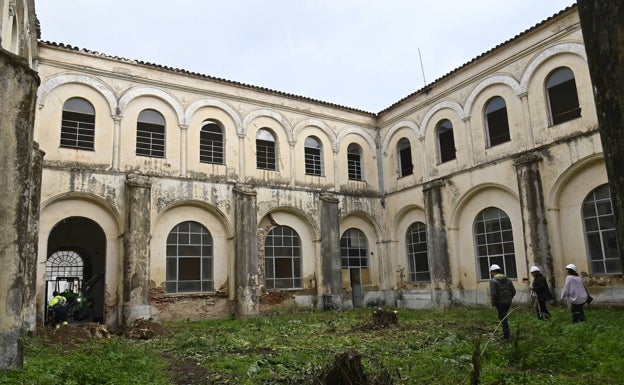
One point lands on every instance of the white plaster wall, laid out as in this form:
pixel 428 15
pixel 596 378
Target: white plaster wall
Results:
pixel 48 127
pixel 129 161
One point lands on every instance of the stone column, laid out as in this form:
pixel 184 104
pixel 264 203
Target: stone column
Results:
pixel 18 85
pixel 136 284
pixel 331 267
pixel 116 140
pixel 183 149
pixel 533 207
pixel 246 302
pixel 437 244
pixel 526 115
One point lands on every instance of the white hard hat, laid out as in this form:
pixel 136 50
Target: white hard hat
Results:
pixel 571 266
pixel 534 269
pixel 494 267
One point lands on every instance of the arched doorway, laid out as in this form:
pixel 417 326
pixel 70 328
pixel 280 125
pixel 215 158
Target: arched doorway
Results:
pixel 76 262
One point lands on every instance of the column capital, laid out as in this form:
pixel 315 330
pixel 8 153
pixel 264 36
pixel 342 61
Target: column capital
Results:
pixel 245 189
pixel 137 180
pixel 328 197
pixel 434 184
pixel 527 159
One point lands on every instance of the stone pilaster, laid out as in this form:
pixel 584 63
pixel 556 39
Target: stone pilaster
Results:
pixel 246 252
pixel 137 249
pixel 18 86
pixel 533 207
pixel 437 244
pixel 331 279
pixel 30 277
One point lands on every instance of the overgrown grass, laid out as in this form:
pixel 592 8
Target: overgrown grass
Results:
pixel 297 347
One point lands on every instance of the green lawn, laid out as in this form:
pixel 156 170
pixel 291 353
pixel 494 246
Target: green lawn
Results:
pixel 294 346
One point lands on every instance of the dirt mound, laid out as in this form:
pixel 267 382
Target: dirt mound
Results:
pixel 73 334
pixel 142 329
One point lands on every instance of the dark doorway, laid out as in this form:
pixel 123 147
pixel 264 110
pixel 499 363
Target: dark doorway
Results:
pixel 76 262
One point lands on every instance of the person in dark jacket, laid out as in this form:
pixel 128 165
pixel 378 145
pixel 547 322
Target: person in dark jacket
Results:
pixel 502 291
pixel 542 291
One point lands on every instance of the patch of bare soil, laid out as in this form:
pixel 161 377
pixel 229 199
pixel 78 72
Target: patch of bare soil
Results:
pixel 188 372
pixel 72 335
pixel 69 336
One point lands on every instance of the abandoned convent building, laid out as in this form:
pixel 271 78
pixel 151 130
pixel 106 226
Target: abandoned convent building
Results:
pixel 197 197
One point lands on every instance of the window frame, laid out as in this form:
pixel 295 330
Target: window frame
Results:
pixel 498 249
pixel 404 158
pixel 354 162
pixel 414 252
pixel 189 236
pixel 78 124
pixel 151 134
pixel 446 141
pixel 600 224
pixel 211 143
pixel 266 150
pixel 562 93
pixel 279 257
pixel 496 121
pixel 313 156
pixel 352 256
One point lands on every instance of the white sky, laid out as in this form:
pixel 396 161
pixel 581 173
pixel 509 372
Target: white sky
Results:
pixel 357 53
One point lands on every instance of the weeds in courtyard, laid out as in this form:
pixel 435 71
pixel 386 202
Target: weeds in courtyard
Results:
pixel 452 346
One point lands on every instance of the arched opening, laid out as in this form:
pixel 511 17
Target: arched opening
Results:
pixel 75 265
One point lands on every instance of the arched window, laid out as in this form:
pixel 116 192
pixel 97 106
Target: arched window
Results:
pixel 67 264
pixel 354 161
pixel 313 156
pixel 446 141
pixel 354 254
pixel 417 260
pixel 493 239
pixel 189 259
pixel 404 151
pixel 563 102
pixel 266 156
pixel 602 247
pixel 282 259
pixel 150 134
pixel 78 124
pixel 64 263
pixel 211 143
pixel 496 122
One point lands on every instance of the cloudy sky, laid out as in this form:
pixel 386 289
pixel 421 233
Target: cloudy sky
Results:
pixel 362 54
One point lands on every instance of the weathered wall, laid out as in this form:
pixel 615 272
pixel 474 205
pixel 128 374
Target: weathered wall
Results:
pixel 18 85
pixel 239 204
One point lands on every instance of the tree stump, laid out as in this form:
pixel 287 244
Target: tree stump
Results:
pixel 384 318
pixel 347 370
